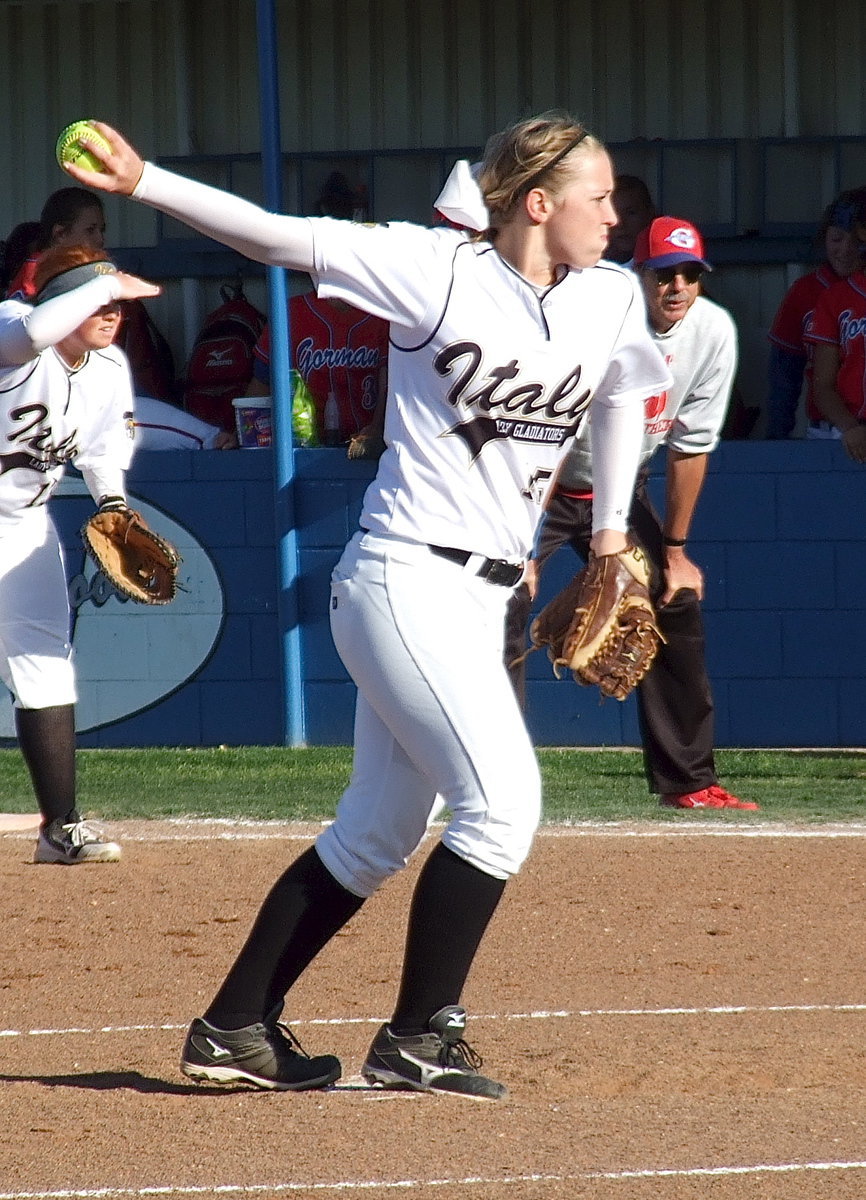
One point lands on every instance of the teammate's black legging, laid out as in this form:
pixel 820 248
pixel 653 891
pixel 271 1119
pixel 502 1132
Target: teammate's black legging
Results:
pixel 46 737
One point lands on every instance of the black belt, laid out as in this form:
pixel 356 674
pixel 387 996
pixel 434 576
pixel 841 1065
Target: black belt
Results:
pixel 494 570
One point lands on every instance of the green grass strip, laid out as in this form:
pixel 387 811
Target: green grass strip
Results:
pixel 268 782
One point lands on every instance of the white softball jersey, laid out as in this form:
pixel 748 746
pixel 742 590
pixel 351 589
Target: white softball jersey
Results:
pixel 51 415
pixel 488 380
pixel 701 353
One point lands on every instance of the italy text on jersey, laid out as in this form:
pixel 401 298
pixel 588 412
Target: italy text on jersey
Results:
pixel 504 412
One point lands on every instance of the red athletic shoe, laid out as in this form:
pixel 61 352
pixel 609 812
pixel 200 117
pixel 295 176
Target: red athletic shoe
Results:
pixel 709 797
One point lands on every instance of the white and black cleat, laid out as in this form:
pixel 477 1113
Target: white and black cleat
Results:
pixel 436 1061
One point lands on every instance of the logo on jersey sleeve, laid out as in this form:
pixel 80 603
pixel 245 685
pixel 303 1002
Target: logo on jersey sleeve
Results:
pixel 507 406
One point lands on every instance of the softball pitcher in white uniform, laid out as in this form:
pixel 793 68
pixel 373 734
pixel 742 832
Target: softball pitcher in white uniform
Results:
pixel 65 397
pixel 499 344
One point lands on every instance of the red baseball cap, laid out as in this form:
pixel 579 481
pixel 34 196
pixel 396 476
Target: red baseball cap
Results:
pixel 667 241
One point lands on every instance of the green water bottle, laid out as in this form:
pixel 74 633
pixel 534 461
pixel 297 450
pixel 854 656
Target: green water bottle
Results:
pixel 303 412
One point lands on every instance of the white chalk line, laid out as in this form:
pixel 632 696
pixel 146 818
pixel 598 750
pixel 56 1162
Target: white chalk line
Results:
pixel 539 1015
pixel 228 829
pixel 362 1185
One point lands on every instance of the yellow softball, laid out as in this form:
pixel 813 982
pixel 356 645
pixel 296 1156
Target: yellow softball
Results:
pixel 70 150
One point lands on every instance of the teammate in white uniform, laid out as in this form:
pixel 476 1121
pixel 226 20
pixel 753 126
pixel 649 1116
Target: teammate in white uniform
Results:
pixel 500 344
pixel 162 426
pixel 65 397
pixel 699 342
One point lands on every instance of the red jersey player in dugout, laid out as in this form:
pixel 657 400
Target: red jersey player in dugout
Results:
pixel 342 354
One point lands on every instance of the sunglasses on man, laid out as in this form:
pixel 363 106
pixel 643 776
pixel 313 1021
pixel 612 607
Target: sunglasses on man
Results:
pixel 691 273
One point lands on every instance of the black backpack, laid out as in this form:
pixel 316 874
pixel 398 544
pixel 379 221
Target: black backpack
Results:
pixel 220 365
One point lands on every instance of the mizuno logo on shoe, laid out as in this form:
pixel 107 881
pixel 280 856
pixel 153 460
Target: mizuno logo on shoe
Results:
pixel 427 1071
pixel 218 1051
pixel 456 1022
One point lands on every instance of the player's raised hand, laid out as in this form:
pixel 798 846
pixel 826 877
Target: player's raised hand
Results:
pixel 121 167
pixel 134 288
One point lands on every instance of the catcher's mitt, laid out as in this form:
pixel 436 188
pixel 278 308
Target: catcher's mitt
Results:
pixel 138 562
pixel 602 626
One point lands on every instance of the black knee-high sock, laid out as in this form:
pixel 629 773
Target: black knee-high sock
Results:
pixel 302 912
pixel 47 740
pixel 451 908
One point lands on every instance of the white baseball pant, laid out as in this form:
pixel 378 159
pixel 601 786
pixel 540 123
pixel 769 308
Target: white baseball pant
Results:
pixel 422 638
pixel 35 651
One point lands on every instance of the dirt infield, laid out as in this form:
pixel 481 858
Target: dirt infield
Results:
pixel 679 1013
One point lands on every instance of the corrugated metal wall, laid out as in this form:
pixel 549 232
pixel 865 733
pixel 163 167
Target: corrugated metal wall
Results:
pixel 180 76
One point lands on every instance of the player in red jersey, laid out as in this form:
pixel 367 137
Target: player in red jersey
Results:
pixel 790 351
pixel 342 354
pixel 838 333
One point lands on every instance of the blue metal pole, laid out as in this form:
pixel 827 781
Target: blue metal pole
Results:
pixel 294 732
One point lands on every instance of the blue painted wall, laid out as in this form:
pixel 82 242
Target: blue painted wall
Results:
pixel 225 499
pixel 780 534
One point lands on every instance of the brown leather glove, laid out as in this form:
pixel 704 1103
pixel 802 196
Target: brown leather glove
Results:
pixel 602 626
pixel 139 563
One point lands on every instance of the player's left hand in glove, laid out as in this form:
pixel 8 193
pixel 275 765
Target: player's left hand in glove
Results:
pixel 602 626
pixel 138 562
